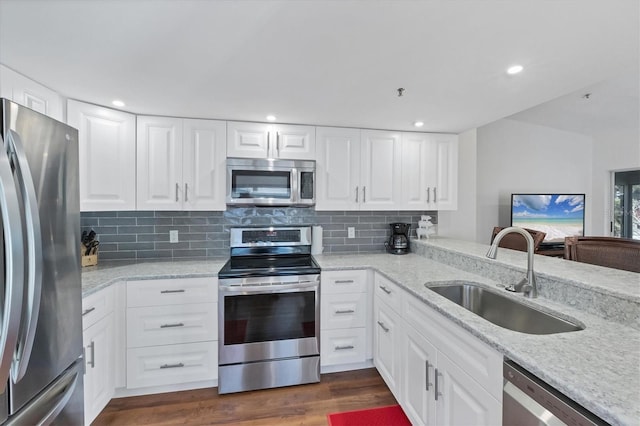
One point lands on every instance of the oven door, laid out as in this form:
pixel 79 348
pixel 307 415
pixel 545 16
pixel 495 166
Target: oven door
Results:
pixel 266 320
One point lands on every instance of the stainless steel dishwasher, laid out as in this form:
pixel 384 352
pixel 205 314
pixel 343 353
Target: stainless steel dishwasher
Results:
pixel 528 401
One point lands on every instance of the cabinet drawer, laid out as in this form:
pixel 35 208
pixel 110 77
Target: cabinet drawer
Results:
pixel 343 311
pixel 343 346
pixel 388 292
pixel 163 325
pixel 96 306
pixel 474 357
pixel 172 291
pixel 172 364
pixel 334 282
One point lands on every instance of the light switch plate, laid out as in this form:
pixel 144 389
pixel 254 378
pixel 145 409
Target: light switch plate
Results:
pixel 351 232
pixel 173 236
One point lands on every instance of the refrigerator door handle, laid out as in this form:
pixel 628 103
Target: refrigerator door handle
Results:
pixel 34 255
pixel 13 267
pixel 45 407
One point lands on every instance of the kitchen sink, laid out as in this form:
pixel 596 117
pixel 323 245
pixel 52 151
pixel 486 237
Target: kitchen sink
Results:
pixel 503 311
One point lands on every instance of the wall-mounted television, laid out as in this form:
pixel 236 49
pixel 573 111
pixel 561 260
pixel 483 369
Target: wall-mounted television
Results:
pixel 557 215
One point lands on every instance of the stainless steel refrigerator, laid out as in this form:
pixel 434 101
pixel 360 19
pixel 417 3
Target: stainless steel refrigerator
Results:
pixel 41 365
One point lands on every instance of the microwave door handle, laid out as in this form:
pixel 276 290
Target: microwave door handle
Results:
pixel 35 258
pixel 13 243
pixel 295 185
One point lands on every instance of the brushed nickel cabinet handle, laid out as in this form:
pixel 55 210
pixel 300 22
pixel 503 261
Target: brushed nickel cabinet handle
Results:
pixel 344 311
pixel 386 290
pixel 178 365
pixel 437 393
pixel 428 194
pixel 364 194
pixel 343 348
pixel 88 311
pixel 343 281
pixel 427 376
pixel 435 196
pixel 381 324
pixel 186 192
pixel 92 349
pixel 178 324
pixel 177 189
pixel 356 194
pixel 172 291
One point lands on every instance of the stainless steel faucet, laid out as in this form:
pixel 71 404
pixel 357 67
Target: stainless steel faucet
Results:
pixel 527 285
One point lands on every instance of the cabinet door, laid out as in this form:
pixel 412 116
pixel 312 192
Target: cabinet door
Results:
pixel 99 359
pixel 107 154
pixel 380 173
pixel 386 346
pixel 419 171
pixel 159 163
pixel 294 142
pixel 418 369
pixel 248 140
pixel 447 172
pixel 337 169
pixel 461 400
pixel 204 155
pixel 29 93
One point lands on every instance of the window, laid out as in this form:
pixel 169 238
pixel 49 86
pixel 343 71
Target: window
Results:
pixel 626 204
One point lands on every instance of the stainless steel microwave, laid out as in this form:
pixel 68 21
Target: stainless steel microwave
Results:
pixel 270 182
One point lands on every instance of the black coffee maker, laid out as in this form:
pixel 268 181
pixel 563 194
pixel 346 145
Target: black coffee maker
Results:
pixel 399 241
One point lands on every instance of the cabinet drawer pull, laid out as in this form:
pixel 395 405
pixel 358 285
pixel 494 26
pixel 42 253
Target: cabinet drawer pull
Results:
pixel 178 324
pixel 177 189
pixel 428 194
pixel 172 291
pixel 87 311
pixel 356 194
pixel 343 348
pixel 437 393
pixel 386 290
pixel 178 365
pixel 345 311
pixel 381 324
pixel 364 194
pixel 435 196
pixel 343 281
pixel 186 192
pixel 427 376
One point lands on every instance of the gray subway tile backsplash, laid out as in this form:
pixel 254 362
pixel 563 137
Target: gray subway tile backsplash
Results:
pixel 145 235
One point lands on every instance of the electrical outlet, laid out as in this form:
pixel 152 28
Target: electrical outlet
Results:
pixel 173 236
pixel 351 232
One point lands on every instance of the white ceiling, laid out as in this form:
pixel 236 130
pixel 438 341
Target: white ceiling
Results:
pixel 323 62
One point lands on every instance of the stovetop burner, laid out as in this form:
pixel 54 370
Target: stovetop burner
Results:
pixel 270 251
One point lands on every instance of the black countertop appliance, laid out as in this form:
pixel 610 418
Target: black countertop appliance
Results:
pixel 399 241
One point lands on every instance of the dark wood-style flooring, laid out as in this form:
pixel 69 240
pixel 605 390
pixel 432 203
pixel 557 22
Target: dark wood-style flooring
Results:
pixel 296 405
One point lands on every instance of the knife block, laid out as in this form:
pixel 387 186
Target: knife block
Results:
pixel 90 260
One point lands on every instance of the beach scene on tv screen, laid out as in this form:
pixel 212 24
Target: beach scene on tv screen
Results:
pixel 558 216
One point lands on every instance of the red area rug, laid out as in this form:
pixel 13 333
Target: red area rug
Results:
pixel 379 416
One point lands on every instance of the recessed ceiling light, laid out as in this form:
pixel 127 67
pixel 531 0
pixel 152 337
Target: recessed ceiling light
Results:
pixel 271 118
pixel 418 123
pixel 514 69
pixel 118 103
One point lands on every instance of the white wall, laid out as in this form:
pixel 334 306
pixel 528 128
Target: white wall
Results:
pixel 611 152
pixel 461 223
pixel 514 156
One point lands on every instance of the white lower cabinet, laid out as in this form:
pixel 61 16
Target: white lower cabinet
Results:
pixel 172 332
pixel 440 374
pixel 345 337
pixel 98 339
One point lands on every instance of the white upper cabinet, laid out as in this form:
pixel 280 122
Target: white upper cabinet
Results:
pixel 429 171
pixel 263 140
pixel 357 169
pixel 380 172
pixel 180 164
pixel 29 93
pixel 107 154
pixel 337 168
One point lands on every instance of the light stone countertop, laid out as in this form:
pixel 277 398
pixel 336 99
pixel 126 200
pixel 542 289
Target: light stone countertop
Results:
pixel 598 367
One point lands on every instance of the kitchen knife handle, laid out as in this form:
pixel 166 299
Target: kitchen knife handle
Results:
pixel 186 192
pixel 177 189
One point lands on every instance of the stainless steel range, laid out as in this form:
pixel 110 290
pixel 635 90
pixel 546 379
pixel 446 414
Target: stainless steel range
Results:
pixel 269 310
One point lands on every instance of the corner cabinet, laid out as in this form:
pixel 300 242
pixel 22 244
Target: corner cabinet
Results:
pixel 263 140
pixel 440 374
pixel 107 154
pixel 180 164
pixel 29 93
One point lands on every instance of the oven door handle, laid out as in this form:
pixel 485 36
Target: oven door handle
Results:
pixel 277 288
